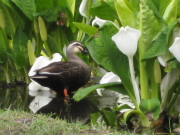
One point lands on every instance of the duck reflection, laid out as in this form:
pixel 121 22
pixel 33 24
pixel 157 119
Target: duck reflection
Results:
pixel 46 102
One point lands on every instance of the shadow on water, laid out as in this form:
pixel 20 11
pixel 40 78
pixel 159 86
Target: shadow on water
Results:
pixel 14 97
pixel 45 102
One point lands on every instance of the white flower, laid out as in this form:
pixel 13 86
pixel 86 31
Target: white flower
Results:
pixel 163 59
pixel 107 78
pixel 176 32
pixel 98 21
pixel 83 8
pixel 126 40
pixel 111 98
pixel 40 62
pixel 175 48
pixel 167 82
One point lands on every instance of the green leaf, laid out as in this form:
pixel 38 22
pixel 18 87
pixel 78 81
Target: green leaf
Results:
pixel 52 45
pixel 94 117
pixel 90 30
pixel 151 23
pixel 20 47
pixel 160 46
pixel 178 7
pixel 170 14
pixel 53 14
pixel 27 7
pixel 31 53
pixel 10 24
pixel 3 47
pixel 150 106
pixel 41 5
pixel 80 94
pixel 109 117
pixel 163 5
pixel 126 16
pixel 103 10
pixel 104 51
pixel 71 4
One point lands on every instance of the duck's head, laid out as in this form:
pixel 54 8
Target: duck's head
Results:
pixel 76 47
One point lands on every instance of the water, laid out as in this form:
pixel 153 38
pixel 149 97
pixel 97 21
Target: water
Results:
pixel 45 102
pixel 14 97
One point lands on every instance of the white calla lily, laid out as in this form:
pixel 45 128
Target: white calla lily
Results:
pixel 83 8
pixel 40 62
pixel 111 98
pixel 107 78
pixel 176 32
pixel 127 40
pixel 98 21
pixel 167 82
pixel 175 48
pixel 163 59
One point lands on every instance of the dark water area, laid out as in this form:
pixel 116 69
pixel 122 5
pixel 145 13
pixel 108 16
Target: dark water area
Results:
pixel 14 97
pixel 45 102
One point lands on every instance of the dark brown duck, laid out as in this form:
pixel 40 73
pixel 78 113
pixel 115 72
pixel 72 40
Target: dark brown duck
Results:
pixel 65 77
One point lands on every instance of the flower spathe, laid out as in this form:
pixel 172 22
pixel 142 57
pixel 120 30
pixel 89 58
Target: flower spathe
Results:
pixel 126 40
pixel 98 21
pixel 175 48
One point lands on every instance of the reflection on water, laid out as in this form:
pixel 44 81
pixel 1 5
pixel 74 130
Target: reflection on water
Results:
pixel 45 102
pixel 14 97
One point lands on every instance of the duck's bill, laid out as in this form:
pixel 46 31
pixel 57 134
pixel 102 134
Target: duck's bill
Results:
pixel 85 51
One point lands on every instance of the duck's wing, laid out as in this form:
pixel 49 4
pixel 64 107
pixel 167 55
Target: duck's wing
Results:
pixel 57 68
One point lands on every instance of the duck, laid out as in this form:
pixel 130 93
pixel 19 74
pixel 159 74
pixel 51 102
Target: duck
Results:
pixel 68 76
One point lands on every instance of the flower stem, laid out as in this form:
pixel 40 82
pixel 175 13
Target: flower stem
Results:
pixel 133 80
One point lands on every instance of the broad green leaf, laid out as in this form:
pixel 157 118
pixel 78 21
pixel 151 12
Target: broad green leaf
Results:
pixel 104 51
pixel 10 24
pixel 71 4
pixel 109 117
pixel 151 24
pixel 31 53
pixel 126 16
pixel 94 117
pixel 21 58
pixel 52 45
pixel 42 5
pixel 3 47
pixel 80 94
pixel 150 106
pixel 28 7
pixel 160 46
pixel 135 4
pixel 53 14
pixel 90 30
pixel 103 10
pixel 20 47
pixel 170 14
pixel 163 5
pixel 156 3
pixel 178 7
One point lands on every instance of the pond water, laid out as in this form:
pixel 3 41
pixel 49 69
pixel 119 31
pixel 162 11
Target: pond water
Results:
pixel 45 102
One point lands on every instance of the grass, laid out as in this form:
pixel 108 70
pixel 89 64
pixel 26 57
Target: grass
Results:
pixel 19 122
